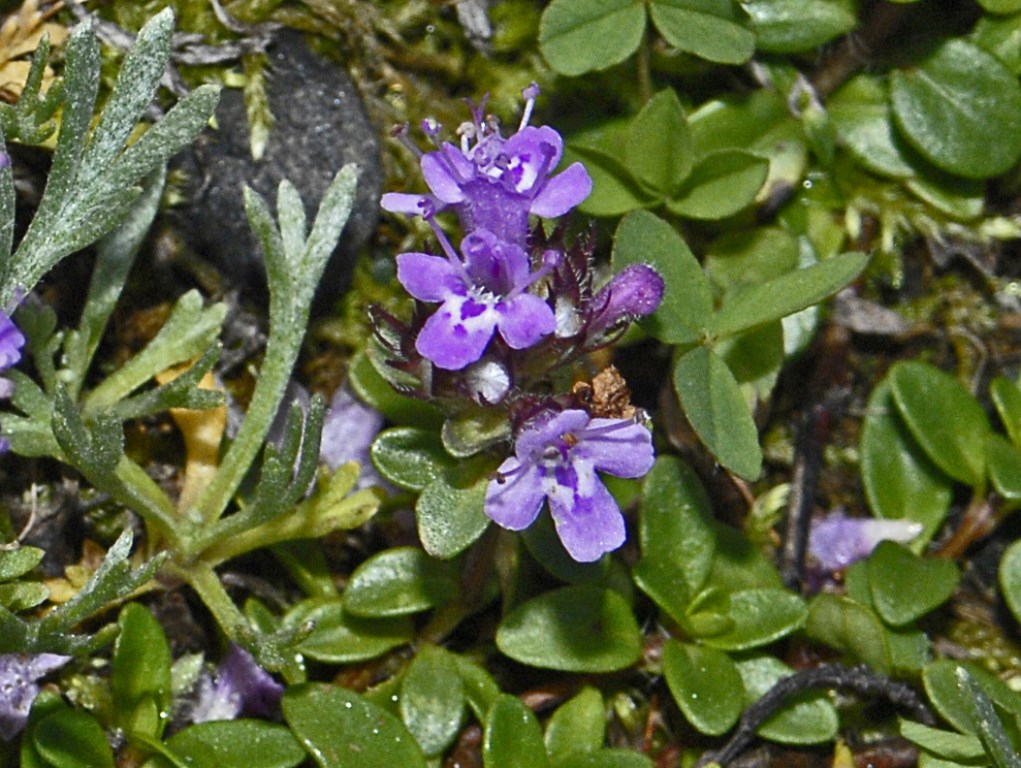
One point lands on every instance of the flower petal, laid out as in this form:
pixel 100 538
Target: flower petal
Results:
pixel 545 429
pixel 428 278
pixel 515 503
pixel 533 151
pixel 446 172
pixel 524 320
pixel 453 341
pixel 617 446
pixel 589 526
pixel 398 202
pixel 562 192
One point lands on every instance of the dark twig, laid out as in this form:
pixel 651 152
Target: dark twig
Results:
pixel 801 504
pixel 858 679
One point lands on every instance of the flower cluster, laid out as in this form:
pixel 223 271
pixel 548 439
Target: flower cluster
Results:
pixel 501 318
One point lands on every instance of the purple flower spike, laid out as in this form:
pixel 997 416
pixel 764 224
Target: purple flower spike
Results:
pixel 241 687
pixel 557 457
pixel 837 541
pixel 634 292
pixel 495 183
pixel 19 676
pixel 484 292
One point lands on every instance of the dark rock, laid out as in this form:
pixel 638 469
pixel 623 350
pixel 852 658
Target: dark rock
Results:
pixel 320 124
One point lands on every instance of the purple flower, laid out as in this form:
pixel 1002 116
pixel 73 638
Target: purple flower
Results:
pixel 634 292
pixel 484 292
pixel 837 541
pixel 495 183
pixel 348 431
pixel 557 456
pixel 11 342
pixel 19 675
pixel 241 687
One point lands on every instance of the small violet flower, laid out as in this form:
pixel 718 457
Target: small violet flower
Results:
pixel 241 687
pixel 19 676
pixel 495 183
pixel 634 292
pixel 349 428
pixel 483 292
pixel 557 456
pixel 837 541
pixel 11 342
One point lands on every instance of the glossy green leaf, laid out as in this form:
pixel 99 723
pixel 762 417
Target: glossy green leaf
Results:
pixel 718 412
pixel 901 482
pixel 739 564
pixel 805 719
pixel 1007 397
pixel 792 26
pixel 991 729
pixel 759 617
pixel 786 294
pixel 577 725
pixel 409 458
pixel 470 432
pixel 1010 578
pixel 1004 466
pixel 480 690
pixel 962 199
pixel 1000 36
pixel 432 700
pixel 450 511
pixel 572 629
pixel 140 671
pixel 905 586
pixel 720 185
pixel 705 684
pixel 512 737
pixel 18 562
pixel 755 356
pixel 861 114
pixel 955 704
pixel 961 109
pixel 340 637
pixel 340 729
pixel 399 581
pixel 743 257
pixel 71 738
pixel 614 191
pixel 659 152
pixel 686 308
pixel 606 758
pixel 374 389
pixel 711 29
pixel 851 627
pixel 577 36
pixel 946 744
pixel 944 418
pixel 248 743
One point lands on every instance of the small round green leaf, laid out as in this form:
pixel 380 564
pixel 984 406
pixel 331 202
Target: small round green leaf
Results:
pixel 577 36
pixel 759 616
pixel 739 258
pixel 944 418
pixel 705 684
pixel 573 629
pixel 450 511
pixel 711 29
pixel 901 482
pixel 18 562
pixel 687 305
pixel 861 114
pixel 397 582
pixel 1010 578
pixel 470 432
pixel 1000 36
pixel 961 109
pixel 1004 464
pixel 140 669
pixel 577 725
pixel 720 185
pixel 956 706
pixel 512 737
pixel 962 199
pixel 339 637
pixel 718 412
pixel 71 738
pixel 849 626
pixel 659 150
pixel 1006 396
pixel 905 586
pixel 805 719
pixel 432 700
pixel 340 729
pixel 409 458
pixel 792 26
pixel 248 743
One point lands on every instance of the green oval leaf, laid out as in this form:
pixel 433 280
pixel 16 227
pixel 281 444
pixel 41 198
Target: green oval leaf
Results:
pixel 18 562
pixel 705 684
pixel 573 629
pixel 687 305
pixel 577 36
pixel 577 725
pixel 70 738
pixel 710 29
pixel 248 743
pixel 450 511
pixel 339 637
pixel 805 719
pixel 956 705
pixel 512 737
pixel 1007 397
pixel 792 26
pixel 1004 465
pixel 720 185
pixel 861 114
pixel 659 150
pixel 718 412
pixel 849 626
pixel 397 582
pixel 961 109
pixel 409 458
pixel 945 419
pixel 759 616
pixel 140 669
pixel 432 700
pixel 901 482
pixel 905 586
pixel 1010 578
pixel 340 729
